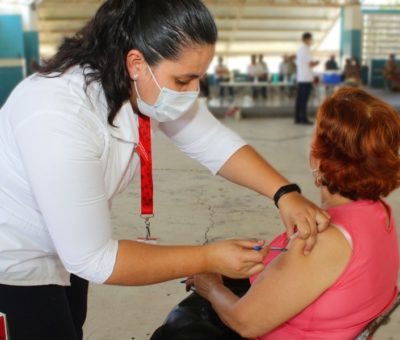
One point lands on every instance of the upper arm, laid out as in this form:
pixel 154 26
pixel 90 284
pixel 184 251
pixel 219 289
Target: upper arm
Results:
pixel 62 160
pixel 202 137
pixel 293 281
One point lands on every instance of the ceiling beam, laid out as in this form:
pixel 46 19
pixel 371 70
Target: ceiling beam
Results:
pixel 274 53
pixel 260 40
pixel 61 25
pixel 239 14
pixel 265 30
pixel 275 18
pixel 70 2
pixel 288 3
pixel 67 11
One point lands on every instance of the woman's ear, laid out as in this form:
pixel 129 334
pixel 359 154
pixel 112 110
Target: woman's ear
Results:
pixel 135 63
pixel 313 162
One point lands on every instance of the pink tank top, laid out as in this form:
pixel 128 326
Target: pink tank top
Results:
pixel 366 288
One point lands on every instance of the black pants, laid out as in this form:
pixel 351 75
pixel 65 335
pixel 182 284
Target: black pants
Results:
pixel 303 94
pixel 45 312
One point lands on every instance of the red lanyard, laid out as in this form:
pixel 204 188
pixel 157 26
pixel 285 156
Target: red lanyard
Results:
pixel 146 169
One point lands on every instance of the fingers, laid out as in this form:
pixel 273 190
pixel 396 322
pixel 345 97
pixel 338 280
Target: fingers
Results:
pixel 308 232
pixel 255 270
pixel 309 229
pixel 250 244
pixel 296 211
pixel 288 224
pixel 189 283
pixel 264 251
pixel 323 219
pixel 237 258
pixel 309 244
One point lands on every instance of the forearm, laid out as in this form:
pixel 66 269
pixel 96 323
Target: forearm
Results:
pixel 224 303
pixel 247 168
pixel 140 264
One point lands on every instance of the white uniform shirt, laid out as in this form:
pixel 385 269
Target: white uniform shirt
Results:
pixel 61 164
pixel 256 70
pixel 303 60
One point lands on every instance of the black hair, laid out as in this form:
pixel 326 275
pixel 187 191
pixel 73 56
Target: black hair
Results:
pixel 307 36
pixel 159 29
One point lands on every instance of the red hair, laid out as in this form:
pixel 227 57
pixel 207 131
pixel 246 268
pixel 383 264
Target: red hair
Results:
pixel 357 142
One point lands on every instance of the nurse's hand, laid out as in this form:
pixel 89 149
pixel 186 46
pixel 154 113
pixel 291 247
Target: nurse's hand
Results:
pixel 235 258
pixel 297 211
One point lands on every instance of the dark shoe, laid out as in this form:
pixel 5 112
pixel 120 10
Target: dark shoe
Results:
pixel 303 122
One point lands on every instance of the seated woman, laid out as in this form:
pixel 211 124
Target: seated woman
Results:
pixel 350 277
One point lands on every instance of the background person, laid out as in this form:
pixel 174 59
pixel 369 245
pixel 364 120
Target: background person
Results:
pixel 284 69
pixel 222 74
pixel 391 74
pixel 305 79
pixel 263 74
pixel 255 72
pixel 352 73
pixel 331 64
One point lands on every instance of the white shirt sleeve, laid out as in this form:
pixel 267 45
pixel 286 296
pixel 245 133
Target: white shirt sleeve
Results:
pixel 202 137
pixel 62 159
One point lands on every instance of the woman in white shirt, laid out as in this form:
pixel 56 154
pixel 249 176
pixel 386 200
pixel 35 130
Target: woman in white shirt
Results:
pixel 69 143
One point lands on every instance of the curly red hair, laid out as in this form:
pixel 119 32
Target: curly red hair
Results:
pixel 357 142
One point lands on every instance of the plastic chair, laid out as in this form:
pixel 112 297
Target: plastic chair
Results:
pixel 381 320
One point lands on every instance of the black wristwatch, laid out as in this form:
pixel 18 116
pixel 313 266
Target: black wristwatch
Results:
pixel 285 190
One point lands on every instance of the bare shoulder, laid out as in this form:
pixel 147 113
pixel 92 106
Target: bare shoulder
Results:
pixel 329 257
pixel 293 280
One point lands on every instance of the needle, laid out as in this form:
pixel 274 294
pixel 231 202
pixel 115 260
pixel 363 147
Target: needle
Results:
pixel 258 248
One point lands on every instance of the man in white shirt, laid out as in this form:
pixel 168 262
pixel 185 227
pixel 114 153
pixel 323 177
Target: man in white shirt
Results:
pixel 305 79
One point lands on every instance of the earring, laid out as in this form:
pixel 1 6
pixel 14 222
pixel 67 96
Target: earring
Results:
pixel 318 181
pixel 317 177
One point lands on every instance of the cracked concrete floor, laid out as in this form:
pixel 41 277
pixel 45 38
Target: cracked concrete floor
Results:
pixel 191 204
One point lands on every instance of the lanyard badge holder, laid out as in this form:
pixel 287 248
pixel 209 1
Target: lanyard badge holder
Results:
pixel 146 176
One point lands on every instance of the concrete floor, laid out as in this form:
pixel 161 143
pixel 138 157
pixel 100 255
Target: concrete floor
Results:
pixel 191 204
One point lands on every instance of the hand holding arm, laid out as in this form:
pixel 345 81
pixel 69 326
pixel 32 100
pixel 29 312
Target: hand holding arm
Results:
pixel 247 168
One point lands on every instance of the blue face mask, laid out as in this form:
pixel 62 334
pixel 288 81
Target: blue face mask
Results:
pixel 170 105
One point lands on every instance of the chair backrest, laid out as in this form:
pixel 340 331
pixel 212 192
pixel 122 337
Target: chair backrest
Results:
pixel 383 319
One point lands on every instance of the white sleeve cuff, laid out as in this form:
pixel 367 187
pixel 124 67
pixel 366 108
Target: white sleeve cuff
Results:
pixel 98 267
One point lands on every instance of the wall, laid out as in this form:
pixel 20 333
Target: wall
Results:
pixel 19 42
pixel 12 54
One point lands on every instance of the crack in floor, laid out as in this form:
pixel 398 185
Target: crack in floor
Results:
pixel 212 223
